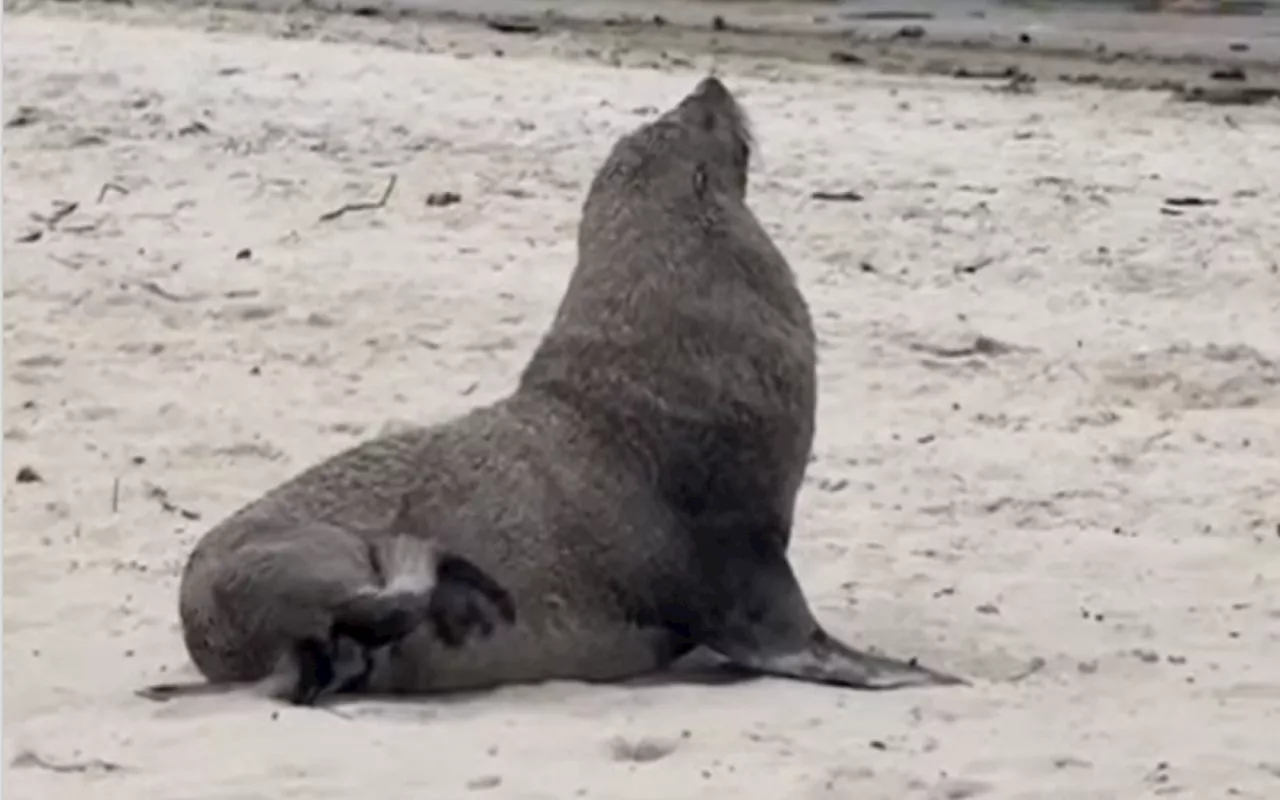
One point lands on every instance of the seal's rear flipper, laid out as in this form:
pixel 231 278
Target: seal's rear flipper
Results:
pixel 376 618
pixel 458 599
pixel 467 600
pixel 313 668
pixel 455 596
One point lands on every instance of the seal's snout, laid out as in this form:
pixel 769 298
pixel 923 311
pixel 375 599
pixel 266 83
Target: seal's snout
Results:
pixel 713 89
pixel 712 99
pixel 712 108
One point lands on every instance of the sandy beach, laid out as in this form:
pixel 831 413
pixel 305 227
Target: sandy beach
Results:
pixel 1048 452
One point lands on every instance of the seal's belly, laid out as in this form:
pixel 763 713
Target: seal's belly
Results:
pixel 571 647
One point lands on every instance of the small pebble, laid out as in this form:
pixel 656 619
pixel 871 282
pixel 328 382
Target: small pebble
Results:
pixel 1228 74
pixel 442 199
pixel 1070 761
pixel 1147 656
pixel 641 751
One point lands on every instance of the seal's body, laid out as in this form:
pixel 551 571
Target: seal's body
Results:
pixel 634 496
pixel 521 490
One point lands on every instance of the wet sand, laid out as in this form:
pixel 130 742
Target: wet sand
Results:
pixel 1104 47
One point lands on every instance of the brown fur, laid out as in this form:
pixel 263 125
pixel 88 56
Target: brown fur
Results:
pixel 635 494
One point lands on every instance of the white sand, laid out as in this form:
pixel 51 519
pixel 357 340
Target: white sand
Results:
pixel 1102 500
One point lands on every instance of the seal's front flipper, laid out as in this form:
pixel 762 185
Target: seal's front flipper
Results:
pixel 376 618
pixel 768 628
pixel 823 659
pixel 314 659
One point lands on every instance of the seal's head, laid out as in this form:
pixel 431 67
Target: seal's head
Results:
pixel 704 141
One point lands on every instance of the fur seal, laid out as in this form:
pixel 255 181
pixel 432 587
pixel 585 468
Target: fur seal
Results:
pixel 633 498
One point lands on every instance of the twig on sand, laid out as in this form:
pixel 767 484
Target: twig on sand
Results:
pixel 513 25
pixel 161 292
pixel 364 206
pixel 845 196
pixel 161 495
pixel 61 210
pixel 110 187
pixel 974 267
pixel 29 758
pixel 115 495
pixel 1033 666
